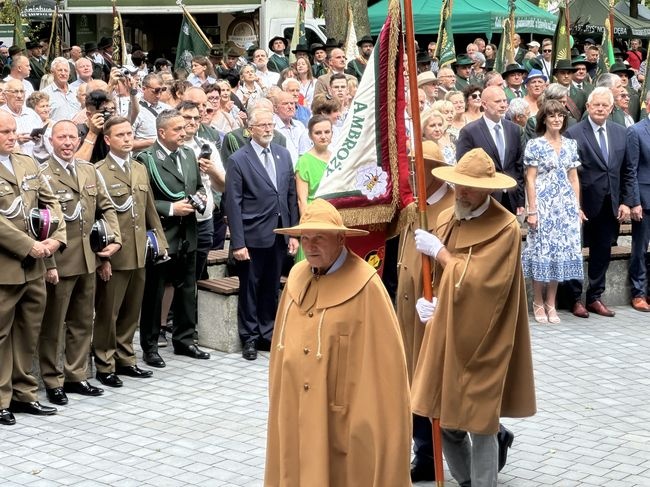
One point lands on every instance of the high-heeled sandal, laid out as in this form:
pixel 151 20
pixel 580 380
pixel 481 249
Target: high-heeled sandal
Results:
pixel 551 312
pixel 539 313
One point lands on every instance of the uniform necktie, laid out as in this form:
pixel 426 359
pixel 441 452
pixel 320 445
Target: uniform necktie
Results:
pixel 71 170
pixel 270 168
pixel 579 86
pixel 176 158
pixel 603 144
pixel 126 167
pixel 518 93
pixel 501 146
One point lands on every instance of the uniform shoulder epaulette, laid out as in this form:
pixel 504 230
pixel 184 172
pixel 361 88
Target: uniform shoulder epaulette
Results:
pixel 44 165
pixel 137 161
pixel 81 161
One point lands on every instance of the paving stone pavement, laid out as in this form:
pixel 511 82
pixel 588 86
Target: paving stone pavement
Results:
pixel 204 422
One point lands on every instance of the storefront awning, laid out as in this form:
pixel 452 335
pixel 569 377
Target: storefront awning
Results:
pixel 158 6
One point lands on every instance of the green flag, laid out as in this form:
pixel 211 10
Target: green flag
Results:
pixel 445 51
pixel 191 42
pixel 299 36
pixel 606 58
pixel 505 51
pixel 561 40
pixel 54 46
pixel 19 35
pixel 119 45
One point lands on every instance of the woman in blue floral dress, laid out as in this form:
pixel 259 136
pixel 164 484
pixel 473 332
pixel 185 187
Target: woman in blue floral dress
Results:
pixel 553 251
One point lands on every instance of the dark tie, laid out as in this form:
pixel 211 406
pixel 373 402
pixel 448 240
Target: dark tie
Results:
pixel 126 167
pixel 518 93
pixel 501 146
pixel 176 158
pixel 603 144
pixel 579 86
pixel 270 168
pixel 71 170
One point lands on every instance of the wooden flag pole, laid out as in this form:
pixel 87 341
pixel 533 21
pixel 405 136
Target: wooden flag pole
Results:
pixel 422 200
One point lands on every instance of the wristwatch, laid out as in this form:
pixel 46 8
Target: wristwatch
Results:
pixel 133 92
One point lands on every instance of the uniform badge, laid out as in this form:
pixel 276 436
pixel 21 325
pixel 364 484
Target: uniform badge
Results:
pixel 90 186
pixel 159 154
pixel 112 166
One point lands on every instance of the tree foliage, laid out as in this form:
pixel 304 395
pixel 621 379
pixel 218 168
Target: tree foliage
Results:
pixel 336 17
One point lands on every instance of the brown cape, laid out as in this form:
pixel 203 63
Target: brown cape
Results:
pixel 475 363
pixel 339 401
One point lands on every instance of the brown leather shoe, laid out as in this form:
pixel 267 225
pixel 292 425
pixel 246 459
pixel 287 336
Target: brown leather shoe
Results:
pixel 640 304
pixel 579 310
pixel 599 307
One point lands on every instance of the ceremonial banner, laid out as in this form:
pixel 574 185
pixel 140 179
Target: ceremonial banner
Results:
pixel 562 38
pixel 445 50
pixel 367 178
pixel 351 48
pixel 606 58
pixel 19 36
pixel 506 50
pixel 119 45
pixel 191 42
pixel 299 36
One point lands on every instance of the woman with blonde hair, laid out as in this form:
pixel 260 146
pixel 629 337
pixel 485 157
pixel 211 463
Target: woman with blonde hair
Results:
pixel 457 99
pixel 448 112
pixel 227 117
pixel 434 127
pixel 202 71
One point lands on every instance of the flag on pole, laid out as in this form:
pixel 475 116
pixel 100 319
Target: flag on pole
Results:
pixel 191 41
pixel 562 38
pixel 367 178
pixel 299 36
pixel 54 46
pixel 445 50
pixel 351 48
pixel 506 51
pixel 606 58
pixel 644 90
pixel 19 36
pixel 119 45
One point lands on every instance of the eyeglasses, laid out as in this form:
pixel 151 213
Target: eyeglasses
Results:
pixel 264 125
pixel 193 119
pixel 547 50
pixel 157 90
pixel 209 110
pixel 15 92
pixel 214 97
pixel 476 96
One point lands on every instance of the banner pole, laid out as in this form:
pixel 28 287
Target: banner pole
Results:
pixel 422 200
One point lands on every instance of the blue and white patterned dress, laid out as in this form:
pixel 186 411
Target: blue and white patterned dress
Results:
pixel 553 252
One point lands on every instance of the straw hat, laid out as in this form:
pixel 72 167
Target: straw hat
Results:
pixel 426 77
pixel 475 170
pixel 321 216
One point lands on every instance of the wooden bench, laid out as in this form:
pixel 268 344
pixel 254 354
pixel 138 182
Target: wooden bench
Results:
pixel 216 263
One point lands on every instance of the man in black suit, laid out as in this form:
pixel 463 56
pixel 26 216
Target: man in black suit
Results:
pixel 638 146
pixel 501 139
pixel 607 190
pixel 174 175
pixel 260 196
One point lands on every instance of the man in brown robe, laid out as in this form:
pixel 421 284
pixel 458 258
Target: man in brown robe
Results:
pixel 439 196
pixel 339 401
pixel 475 364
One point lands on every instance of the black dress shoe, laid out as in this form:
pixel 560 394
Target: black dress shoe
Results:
pixel 191 351
pixel 134 371
pixel 6 417
pixel 505 437
pixel 250 351
pixel 263 346
pixel 109 379
pixel 154 360
pixel 422 471
pixel 83 387
pixel 31 408
pixel 57 396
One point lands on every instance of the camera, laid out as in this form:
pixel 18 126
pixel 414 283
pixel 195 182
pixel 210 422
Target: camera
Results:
pixel 206 152
pixel 106 114
pixel 197 203
pixel 125 72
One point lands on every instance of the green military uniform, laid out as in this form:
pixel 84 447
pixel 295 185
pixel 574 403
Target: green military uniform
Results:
pixel 356 67
pixel 277 63
pixel 579 98
pixel 207 132
pixel 37 71
pixel 318 70
pixel 170 185
pixel 118 300
pixel 71 301
pixel 461 83
pixel 510 93
pixel 634 108
pixel 22 289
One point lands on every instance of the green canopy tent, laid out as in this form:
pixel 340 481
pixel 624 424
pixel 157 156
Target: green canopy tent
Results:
pixel 593 14
pixel 471 17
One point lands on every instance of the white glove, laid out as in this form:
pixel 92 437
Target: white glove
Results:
pixel 427 243
pixel 426 308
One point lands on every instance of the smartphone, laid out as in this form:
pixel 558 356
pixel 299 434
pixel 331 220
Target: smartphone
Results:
pixel 206 152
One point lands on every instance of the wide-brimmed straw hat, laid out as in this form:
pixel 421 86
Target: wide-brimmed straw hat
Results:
pixel 475 170
pixel 321 216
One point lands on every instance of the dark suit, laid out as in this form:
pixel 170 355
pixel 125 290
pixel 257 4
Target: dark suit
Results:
pixel 604 185
pixel 638 147
pixel 477 134
pixel 254 208
pixel 169 186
